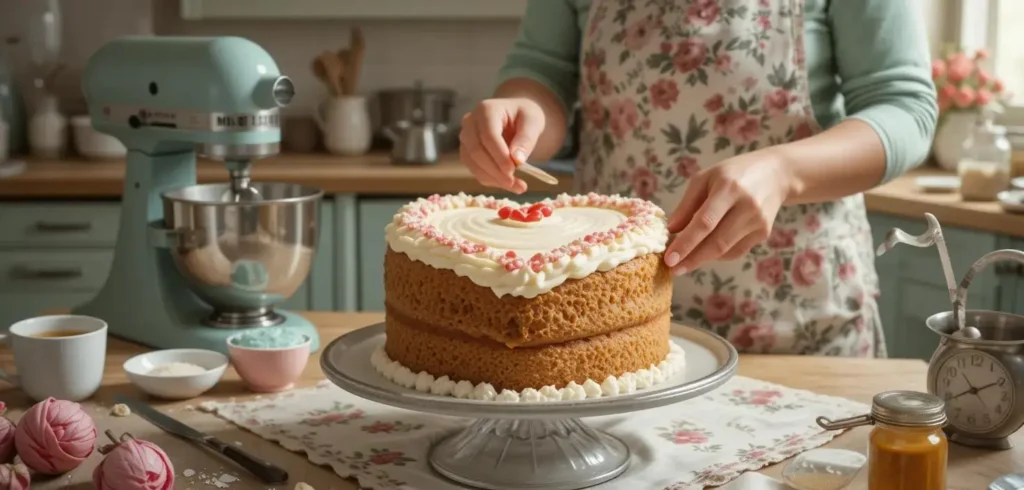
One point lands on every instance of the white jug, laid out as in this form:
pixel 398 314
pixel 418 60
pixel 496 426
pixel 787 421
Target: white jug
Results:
pixel 345 123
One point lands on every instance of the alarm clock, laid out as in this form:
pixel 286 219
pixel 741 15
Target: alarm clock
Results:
pixel 980 380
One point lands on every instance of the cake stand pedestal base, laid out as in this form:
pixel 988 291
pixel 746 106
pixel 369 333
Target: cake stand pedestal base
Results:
pixel 504 454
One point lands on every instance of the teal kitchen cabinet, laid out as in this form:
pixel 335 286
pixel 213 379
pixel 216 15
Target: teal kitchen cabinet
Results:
pixel 1012 280
pixel 373 215
pixel 913 286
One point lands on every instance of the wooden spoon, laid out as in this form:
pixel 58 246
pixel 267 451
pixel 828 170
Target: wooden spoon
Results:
pixel 355 63
pixel 345 56
pixel 321 74
pixel 334 69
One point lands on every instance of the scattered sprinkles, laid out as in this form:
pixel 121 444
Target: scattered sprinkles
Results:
pixel 638 211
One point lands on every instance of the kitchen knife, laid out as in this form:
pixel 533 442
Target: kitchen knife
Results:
pixel 262 469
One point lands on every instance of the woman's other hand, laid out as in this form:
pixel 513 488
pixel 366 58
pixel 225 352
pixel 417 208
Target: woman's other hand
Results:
pixel 727 210
pixel 498 134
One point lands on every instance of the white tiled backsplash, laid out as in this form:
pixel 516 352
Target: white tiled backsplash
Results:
pixel 463 56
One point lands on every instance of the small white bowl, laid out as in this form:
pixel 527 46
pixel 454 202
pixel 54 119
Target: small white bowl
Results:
pixel 93 144
pixel 176 387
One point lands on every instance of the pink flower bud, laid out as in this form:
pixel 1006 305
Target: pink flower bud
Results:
pixel 997 86
pixel 964 97
pixel 938 69
pixel 959 67
pixel 981 54
pixel 984 97
pixel 983 77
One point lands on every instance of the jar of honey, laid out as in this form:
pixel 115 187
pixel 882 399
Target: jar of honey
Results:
pixel 907 448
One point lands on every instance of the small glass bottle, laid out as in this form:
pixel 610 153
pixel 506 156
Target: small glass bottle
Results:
pixel 907 449
pixel 984 166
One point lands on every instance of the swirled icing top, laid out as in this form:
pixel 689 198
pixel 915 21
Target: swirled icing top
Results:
pixel 475 237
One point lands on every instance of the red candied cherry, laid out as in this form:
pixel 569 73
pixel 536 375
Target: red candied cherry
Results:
pixel 518 215
pixel 510 254
pixel 546 211
pixel 533 216
pixel 504 212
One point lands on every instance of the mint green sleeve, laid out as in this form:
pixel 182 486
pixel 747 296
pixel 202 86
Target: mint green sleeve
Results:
pixel 881 55
pixel 547 49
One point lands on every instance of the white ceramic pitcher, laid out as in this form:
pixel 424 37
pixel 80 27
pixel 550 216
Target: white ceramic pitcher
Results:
pixel 345 123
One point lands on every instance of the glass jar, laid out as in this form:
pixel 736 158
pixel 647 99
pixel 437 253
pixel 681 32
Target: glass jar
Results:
pixel 907 448
pixel 984 165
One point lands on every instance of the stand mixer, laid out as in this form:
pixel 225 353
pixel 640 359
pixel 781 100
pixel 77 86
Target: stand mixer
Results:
pixel 195 264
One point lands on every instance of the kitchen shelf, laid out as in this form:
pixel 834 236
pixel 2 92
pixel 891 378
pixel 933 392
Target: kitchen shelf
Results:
pixel 352 9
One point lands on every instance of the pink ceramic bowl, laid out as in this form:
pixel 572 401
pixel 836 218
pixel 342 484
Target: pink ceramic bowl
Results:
pixel 269 370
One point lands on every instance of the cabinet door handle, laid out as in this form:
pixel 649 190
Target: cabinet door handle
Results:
pixel 62 227
pixel 49 272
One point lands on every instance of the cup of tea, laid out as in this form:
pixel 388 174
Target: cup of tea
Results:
pixel 59 356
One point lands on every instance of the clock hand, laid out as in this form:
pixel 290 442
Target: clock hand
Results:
pixel 966 380
pixel 987 386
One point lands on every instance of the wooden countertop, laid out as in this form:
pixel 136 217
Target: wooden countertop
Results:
pixel 857 379
pixel 373 174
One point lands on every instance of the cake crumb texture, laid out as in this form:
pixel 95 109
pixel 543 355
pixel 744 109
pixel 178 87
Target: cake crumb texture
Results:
pixel 635 293
pixel 461 357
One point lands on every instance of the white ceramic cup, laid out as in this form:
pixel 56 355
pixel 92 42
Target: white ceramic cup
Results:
pixel 66 368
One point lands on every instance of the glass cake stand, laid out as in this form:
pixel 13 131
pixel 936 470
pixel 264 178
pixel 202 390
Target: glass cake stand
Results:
pixel 537 446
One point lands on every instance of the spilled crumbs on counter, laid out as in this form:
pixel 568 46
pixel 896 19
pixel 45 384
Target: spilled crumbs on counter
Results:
pixel 188 473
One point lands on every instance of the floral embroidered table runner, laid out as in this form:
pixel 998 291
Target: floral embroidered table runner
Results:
pixel 707 441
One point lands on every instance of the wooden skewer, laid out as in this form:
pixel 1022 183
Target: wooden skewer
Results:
pixel 358 51
pixel 344 57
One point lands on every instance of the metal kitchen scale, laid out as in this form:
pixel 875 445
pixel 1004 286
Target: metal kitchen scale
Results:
pixel 978 368
pixel 537 446
pixel 195 264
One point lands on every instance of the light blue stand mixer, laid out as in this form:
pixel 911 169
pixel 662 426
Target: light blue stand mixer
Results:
pixel 195 264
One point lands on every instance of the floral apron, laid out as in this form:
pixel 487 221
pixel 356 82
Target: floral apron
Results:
pixel 670 87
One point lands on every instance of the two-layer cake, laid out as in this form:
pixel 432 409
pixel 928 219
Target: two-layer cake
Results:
pixel 564 299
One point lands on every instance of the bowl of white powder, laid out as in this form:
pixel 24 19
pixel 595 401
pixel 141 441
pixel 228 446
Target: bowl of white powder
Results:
pixel 176 374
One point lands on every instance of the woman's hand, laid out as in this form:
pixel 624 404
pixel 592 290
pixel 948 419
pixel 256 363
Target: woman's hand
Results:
pixel 497 135
pixel 727 210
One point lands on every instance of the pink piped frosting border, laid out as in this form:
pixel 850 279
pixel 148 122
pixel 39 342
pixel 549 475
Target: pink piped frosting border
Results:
pixel 638 211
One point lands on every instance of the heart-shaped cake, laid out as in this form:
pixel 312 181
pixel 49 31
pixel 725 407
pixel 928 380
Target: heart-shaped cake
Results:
pixel 553 294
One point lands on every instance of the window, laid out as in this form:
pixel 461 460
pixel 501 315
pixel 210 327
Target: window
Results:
pixel 995 25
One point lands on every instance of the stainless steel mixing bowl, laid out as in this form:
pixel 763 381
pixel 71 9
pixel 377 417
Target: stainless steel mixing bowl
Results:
pixel 243 257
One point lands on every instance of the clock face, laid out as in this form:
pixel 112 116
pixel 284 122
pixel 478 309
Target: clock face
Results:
pixel 977 390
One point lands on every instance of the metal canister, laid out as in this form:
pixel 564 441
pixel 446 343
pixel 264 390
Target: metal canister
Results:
pixel 907 447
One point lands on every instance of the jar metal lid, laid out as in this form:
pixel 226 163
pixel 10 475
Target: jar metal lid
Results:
pixel 908 409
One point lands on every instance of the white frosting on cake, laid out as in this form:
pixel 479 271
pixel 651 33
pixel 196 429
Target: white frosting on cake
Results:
pixel 583 234
pixel 674 363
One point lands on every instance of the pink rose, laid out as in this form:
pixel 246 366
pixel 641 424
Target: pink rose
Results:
pixel 749 309
pixel 802 130
pixel 958 67
pixel 983 77
pixel 944 102
pixel 714 103
pixel 623 117
pixel 639 33
pixel 764 22
pixel 664 93
pixel 948 91
pixel 645 183
pixel 719 308
pixel 723 63
pixel 749 83
pixel 964 97
pixel 689 437
pixel 755 337
pixel 984 97
pixel 813 223
pixel 938 69
pixel 777 102
pixel 997 86
pixel 781 238
pixel 594 112
pixel 738 126
pixel 604 84
pixel 807 268
pixel 770 271
pixel 981 54
pixel 703 12
pixel 690 55
pixel 766 393
pixel 666 48
pixel 846 271
pixel 687 167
